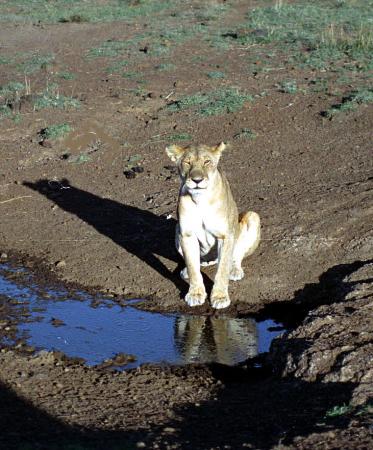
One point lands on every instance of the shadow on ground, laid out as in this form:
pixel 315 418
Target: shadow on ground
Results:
pixel 331 288
pixel 138 231
pixel 256 413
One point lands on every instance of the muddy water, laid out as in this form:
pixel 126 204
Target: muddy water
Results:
pixel 97 329
pixel 88 137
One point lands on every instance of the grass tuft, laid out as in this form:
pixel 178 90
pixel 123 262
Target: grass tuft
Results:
pixel 245 133
pixel 350 102
pixel 56 131
pixel 51 98
pixel 180 137
pixel 338 411
pixel 216 75
pixel 220 101
pixel 54 11
pixel 35 63
pixel 288 87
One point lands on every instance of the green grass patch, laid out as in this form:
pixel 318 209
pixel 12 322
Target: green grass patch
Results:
pixel 316 33
pixel 219 101
pixel 12 89
pixel 35 63
pixel 245 133
pixel 350 102
pixel 338 411
pixel 165 66
pixel 132 76
pixel 5 60
pixel 117 66
pixel 108 49
pixel 53 11
pixel 66 75
pixel 216 75
pixel 179 137
pixel 56 131
pixel 288 86
pixel 51 98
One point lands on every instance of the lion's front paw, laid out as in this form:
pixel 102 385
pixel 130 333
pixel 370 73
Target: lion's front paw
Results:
pixel 196 296
pixel 220 300
pixel 236 274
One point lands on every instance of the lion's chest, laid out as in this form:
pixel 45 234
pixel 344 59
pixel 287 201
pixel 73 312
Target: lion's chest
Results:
pixel 201 218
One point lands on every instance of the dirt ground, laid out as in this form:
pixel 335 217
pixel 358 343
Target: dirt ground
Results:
pixel 97 207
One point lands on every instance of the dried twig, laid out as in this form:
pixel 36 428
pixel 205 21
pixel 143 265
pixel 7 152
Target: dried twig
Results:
pixel 15 198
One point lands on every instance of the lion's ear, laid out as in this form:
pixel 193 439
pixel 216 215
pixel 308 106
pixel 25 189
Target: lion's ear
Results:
pixel 219 149
pixel 174 152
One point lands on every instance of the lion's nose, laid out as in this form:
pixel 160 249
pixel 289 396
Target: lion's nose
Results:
pixel 197 179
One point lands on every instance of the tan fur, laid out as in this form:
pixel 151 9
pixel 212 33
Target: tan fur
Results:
pixel 215 339
pixel 208 227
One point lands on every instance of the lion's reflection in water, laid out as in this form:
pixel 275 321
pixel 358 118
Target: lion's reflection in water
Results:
pixel 215 339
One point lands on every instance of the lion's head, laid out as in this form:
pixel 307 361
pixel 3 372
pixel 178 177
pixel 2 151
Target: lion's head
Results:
pixel 197 165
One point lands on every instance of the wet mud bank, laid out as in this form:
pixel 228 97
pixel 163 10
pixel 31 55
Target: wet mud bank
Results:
pixel 313 387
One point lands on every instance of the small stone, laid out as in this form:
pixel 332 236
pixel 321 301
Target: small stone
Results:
pixel 140 444
pixel 57 322
pixel 4 256
pixel 169 430
pixel 129 174
pixel 46 143
pixel 60 264
pixel 138 169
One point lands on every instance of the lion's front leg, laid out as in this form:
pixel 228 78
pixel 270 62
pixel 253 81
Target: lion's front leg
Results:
pixel 191 252
pixel 219 295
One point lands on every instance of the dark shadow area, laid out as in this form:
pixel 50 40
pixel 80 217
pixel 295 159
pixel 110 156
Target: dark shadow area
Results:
pixel 139 232
pixel 251 412
pixel 25 427
pixel 261 414
pixel 331 288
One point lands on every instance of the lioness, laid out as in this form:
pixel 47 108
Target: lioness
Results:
pixel 209 229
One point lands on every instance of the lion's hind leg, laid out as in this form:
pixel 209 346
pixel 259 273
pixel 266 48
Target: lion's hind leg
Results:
pixel 246 243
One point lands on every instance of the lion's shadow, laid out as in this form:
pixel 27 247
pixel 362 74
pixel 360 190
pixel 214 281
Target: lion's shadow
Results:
pixel 138 231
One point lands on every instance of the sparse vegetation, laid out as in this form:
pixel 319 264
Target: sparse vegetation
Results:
pixel 216 75
pixel 350 102
pixel 338 411
pixel 317 33
pixel 35 62
pixel 76 11
pixel 288 86
pixel 51 98
pixel 220 101
pixel 117 66
pixel 165 66
pixel 56 131
pixel 66 75
pixel 245 133
pixel 180 137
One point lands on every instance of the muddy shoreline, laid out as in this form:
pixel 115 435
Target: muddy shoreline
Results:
pixel 320 383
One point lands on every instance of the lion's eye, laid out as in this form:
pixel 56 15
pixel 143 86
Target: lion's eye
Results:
pixel 207 162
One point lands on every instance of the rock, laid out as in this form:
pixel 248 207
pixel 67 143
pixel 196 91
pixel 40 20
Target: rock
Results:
pixel 57 322
pixel 129 174
pixel 4 256
pixel 60 264
pixel 46 143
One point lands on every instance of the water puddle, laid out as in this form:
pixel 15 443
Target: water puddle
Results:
pixel 97 329
pixel 89 136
